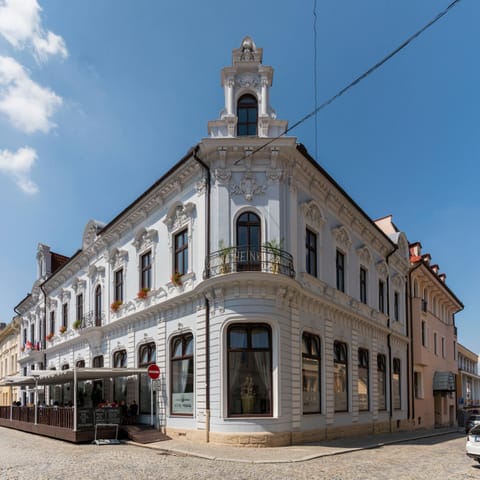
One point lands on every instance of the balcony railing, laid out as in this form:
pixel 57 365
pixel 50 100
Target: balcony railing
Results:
pixel 92 319
pixel 248 259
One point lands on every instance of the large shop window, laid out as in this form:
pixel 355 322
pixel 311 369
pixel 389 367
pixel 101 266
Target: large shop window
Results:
pixel 311 362
pixel 182 375
pixel 120 383
pixel 181 252
pixel 249 370
pixel 247 112
pixel 146 356
pixel 397 401
pixel 363 384
pixel 311 250
pixel 382 381
pixel 340 376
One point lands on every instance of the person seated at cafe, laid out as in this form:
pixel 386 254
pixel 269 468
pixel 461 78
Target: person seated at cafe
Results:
pixel 133 409
pixel 103 403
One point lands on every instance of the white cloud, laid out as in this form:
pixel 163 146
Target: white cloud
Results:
pixel 18 165
pixel 20 24
pixel 27 105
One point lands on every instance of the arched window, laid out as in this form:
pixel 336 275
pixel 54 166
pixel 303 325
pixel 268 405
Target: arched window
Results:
pixel 247 112
pixel 340 365
pixel 363 380
pixel 98 306
pixel 248 242
pixel 311 372
pixel 181 372
pixel 249 370
pixel 146 356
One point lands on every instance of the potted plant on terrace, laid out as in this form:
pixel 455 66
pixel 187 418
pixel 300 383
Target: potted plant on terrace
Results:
pixel 176 279
pixel 116 305
pixel 273 248
pixel 224 255
pixel 143 293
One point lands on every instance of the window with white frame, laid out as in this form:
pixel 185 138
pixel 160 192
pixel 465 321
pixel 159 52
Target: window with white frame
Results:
pixel 363 285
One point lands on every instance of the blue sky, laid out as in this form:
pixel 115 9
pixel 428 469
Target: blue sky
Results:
pixel 99 99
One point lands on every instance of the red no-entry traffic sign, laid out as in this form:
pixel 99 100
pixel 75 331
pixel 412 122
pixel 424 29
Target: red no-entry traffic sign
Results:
pixel 153 371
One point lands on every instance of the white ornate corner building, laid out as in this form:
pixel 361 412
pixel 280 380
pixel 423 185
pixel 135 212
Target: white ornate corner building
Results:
pixel 273 305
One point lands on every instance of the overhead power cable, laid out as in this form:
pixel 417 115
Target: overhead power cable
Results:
pixel 357 80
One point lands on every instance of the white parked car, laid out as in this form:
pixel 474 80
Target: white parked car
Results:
pixel 473 443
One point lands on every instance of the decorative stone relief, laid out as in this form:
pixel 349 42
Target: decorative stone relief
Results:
pixel 397 280
pixel 313 215
pixel 117 257
pixel 51 303
pixel 179 215
pixel 342 237
pixel 94 272
pixel 248 187
pixel 274 175
pixel 222 176
pixel 247 80
pixel 79 285
pixel 145 238
pixel 65 295
pixel 364 254
pixel 201 186
pixel 381 268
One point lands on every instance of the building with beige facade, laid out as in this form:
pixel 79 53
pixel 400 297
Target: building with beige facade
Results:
pixel 9 347
pixel 434 342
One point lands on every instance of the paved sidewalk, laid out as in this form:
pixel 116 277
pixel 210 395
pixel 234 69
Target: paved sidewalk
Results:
pixel 294 453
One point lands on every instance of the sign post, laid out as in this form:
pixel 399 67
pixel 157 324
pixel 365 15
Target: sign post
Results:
pixel 153 372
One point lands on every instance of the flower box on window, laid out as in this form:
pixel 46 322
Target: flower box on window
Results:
pixel 116 305
pixel 143 293
pixel 62 329
pixel 50 336
pixel 77 324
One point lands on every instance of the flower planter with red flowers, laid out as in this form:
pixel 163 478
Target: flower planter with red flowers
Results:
pixel 50 336
pixel 116 305
pixel 143 293
pixel 62 329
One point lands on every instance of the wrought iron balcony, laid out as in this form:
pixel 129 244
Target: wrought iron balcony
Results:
pixel 248 259
pixel 91 319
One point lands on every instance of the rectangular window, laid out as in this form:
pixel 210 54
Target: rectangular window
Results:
pixel 382 381
pixel 32 334
pixel 79 307
pixel 181 252
pixel 363 285
pixel 340 376
pixel 311 373
pixel 396 306
pixel 311 250
pixel 52 322
pixel 118 287
pixel 65 315
pixel 363 384
pixel 454 350
pixel 381 296
pixel 397 401
pixel 443 347
pixel 424 333
pixel 435 351
pixel 340 267
pixel 146 270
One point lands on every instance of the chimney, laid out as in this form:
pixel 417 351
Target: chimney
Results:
pixel 442 277
pixel 435 268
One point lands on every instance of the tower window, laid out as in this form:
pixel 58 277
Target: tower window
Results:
pixel 247 111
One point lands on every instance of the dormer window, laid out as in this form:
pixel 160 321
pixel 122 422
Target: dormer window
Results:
pixel 247 112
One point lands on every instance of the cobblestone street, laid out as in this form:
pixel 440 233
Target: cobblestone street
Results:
pixel 29 456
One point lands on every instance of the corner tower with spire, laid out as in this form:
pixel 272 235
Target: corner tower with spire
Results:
pixel 246 85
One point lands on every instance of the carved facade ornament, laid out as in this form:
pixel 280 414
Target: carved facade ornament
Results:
pixel 342 236
pixel 274 175
pixel 117 257
pixel 397 280
pixel 65 295
pixel 247 80
pixel 248 187
pixel 51 303
pixel 144 238
pixel 179 215
pixel 382 269
pixel 94 272
pixel 364 254
pixel 201 186
pixel 90 233
pixel 223 176
pixel 79 285
pixel 313 215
